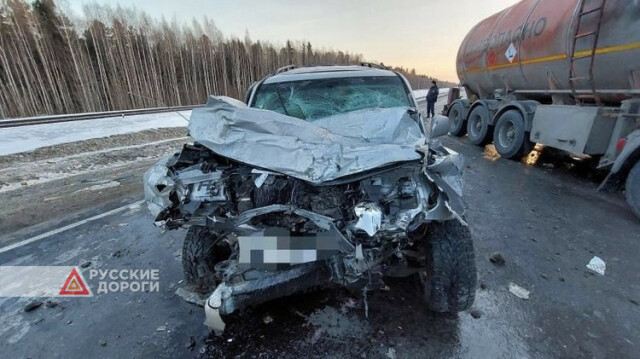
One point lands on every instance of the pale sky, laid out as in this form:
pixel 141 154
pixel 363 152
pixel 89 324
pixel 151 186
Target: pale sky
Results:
pixel 420 34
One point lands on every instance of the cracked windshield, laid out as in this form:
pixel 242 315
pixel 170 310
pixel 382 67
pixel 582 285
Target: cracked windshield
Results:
pixel 314 99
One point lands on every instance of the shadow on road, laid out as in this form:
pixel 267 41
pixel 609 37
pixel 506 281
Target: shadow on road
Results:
pixel 331 322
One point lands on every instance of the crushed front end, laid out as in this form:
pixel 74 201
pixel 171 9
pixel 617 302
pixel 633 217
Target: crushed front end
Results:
pixel 268 234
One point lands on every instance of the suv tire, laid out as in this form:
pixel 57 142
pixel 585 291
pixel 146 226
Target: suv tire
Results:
pixel 199 259
pixel 449 281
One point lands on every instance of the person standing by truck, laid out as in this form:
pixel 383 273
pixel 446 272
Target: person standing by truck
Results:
pixel 432 97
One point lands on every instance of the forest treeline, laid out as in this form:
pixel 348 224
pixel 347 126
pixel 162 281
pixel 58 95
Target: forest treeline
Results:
pixel 116 59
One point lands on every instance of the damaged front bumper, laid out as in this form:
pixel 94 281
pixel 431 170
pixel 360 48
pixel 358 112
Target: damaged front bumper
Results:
pixel 273 263
pixel 228 297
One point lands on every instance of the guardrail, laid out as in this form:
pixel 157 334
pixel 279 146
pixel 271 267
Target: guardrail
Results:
pixel 28 121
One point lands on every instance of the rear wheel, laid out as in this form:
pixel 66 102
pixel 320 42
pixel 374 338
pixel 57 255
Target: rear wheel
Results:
pixel 509 137
pixel 632 189
pixel 478 126
pixel 457 124
pixel 201 251
pixel 449 281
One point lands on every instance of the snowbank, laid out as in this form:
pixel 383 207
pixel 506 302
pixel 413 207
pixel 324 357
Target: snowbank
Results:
pixel 29 138
pixel 421 94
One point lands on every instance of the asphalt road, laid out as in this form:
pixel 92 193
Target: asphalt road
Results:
pixel 546 219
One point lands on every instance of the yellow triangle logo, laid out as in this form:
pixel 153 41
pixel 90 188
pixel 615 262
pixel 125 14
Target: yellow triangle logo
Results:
pixel 74 286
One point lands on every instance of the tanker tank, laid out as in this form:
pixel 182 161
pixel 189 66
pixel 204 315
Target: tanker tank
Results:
pixel 529 49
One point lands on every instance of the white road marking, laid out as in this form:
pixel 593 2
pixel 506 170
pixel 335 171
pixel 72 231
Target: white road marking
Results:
pixel 99 187
pixel 17 139
pixel 70 226
pixel 49 177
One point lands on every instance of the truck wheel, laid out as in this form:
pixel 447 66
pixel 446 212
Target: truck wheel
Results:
pixel 509 137
pixel 200 254
pixel 457 124
pixel 478 126
pixel 632 189
pixel 449 281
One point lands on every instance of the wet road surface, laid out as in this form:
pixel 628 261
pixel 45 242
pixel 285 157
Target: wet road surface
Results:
pixel 546 220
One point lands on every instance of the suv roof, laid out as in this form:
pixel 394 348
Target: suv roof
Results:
pixel 319 72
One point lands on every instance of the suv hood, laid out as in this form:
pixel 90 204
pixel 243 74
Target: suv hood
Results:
pixel 318 151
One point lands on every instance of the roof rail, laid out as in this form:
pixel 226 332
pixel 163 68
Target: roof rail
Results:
pixel 284 69
pixel 374 66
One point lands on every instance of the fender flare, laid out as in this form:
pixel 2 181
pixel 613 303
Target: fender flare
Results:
pixel 526 108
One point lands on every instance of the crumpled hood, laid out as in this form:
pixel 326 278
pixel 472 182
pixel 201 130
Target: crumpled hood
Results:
pixel 318 151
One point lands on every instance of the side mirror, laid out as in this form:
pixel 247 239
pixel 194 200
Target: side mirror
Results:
pixel 439 126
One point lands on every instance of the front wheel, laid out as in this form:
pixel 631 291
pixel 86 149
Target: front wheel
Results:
pixel 201 250
pixel 449 281
pixel 632 189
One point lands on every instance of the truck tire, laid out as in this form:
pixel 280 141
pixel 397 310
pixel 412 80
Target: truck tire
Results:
pixel 199 258
pixel 632 189
pixel 449 281
pixel 509 137
pixel 457 123
pixel 478 126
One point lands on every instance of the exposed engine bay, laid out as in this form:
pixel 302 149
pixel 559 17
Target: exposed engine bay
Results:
pixel 203 186
pixel 365 226
pixel 274 234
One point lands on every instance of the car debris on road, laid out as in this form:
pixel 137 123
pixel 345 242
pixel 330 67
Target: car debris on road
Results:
pixel 518 291
pixel 597 265
pixel 497 258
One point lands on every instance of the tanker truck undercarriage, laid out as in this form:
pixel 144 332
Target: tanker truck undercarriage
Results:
pixel 611 135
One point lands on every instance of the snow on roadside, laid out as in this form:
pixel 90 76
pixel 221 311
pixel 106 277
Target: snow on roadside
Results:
pixel 44 177
pixel 421 94
pixel 98 187
pixel 19 174
pixel 29 138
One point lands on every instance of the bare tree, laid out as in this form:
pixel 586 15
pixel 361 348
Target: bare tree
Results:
pixel 123 59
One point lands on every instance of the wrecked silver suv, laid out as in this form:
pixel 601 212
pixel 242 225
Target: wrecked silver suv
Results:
pixel 325 176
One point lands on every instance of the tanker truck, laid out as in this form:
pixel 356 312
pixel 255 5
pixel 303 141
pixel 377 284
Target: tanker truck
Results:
pixel 565 74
